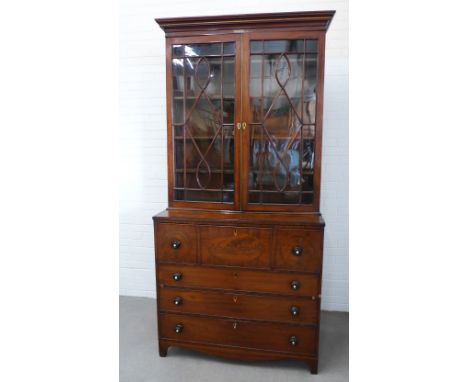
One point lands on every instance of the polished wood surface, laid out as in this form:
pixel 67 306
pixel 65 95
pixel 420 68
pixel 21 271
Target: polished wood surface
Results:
pixel 239 250
pixel 317 20
pixel 222 278
pixel 251 334
pixel 237 352
pixel 241 246
pixel 185 234
pixel 242 217
pixel 307 242
pixel 239 305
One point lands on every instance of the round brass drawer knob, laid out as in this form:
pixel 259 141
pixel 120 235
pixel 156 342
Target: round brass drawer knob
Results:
pixel 177 276
pixel 178 328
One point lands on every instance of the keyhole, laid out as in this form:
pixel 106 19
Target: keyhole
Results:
pixel 235 232
pixel 234 325
pixel 235 298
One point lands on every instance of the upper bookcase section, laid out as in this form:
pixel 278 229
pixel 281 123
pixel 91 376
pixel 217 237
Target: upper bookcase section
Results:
pixel 318 20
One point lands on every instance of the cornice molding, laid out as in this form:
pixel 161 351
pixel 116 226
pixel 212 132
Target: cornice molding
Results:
pixel 317 20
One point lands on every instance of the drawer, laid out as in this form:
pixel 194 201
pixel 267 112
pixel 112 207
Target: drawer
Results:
pixel 266 336
pixel 243 280
pixel 299 249
pixel 176 243
pixel 235 305
pixel 241 246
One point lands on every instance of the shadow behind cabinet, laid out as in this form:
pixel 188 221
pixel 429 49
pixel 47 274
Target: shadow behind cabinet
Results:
pixel 239 250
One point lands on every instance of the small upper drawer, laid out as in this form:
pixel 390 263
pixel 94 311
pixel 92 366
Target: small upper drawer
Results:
pixel 239 246
pixel 299 249
pixel 176 243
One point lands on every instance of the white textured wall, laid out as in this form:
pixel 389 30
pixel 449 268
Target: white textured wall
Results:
pixel 143 135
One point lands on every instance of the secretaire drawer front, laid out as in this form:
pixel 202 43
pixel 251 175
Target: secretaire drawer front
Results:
pixel 235 305
pixel 267 336
pixel 176 243
pixel 299 249
pixel 238 246
pixel 243 280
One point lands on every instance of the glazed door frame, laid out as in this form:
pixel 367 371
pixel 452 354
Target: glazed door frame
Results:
pixel 246 115
pixel 171 147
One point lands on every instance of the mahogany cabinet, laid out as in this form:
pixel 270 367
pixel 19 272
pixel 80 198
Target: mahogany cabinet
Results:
pixel 239 250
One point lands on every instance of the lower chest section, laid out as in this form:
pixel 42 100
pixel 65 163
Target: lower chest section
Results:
pixel 241 286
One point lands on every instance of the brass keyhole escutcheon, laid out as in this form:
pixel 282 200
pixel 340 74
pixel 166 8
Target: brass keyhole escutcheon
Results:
pixel 234 325
pixel 234 298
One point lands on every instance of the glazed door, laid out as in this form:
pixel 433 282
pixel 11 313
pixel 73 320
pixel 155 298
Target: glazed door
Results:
pixel 203 105
pixel 281 89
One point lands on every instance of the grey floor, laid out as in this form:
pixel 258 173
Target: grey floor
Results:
pixel 140 361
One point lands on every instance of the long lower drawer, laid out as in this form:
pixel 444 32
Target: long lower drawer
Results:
pixel 264 336
pixel 295 284
pixel 237 305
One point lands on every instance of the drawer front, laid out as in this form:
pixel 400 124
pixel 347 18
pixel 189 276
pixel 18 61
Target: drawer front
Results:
pixel 299 249
pixel 176 243
pixel 235 305
pixel 241 246
pixel 244 280
pixel 265 336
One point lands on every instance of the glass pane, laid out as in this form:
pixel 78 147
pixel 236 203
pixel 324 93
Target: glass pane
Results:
pixel 228 77
pixel 256 46
pixel 282 85
pixel 195 50
pixel 203 110
pixel 279 46
pixel 203 74
pixel 177 50
pixel 310 83
pixel 229 48
pixel 311 46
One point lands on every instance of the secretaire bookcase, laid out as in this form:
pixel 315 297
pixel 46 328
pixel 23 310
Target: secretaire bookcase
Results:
pixel 239 250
